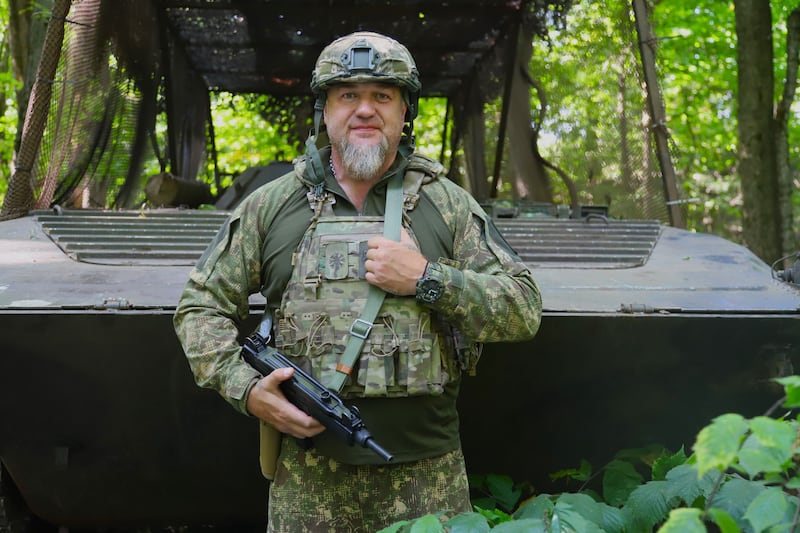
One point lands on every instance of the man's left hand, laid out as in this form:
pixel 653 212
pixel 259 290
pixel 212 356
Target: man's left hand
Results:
pixel 394 266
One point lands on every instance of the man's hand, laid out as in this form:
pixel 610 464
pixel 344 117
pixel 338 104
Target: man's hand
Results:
pixel 267 402
pixel 394 266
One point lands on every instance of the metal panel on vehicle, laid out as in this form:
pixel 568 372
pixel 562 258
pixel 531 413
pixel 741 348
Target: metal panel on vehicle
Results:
pixel 587 243
pixel 142 238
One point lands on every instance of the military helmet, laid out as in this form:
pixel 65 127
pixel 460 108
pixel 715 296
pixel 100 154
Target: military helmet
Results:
pixel 368 57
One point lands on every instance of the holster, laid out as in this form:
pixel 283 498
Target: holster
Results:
pixel 269 448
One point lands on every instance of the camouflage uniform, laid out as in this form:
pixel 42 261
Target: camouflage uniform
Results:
pixel 489 296
pixel 318 494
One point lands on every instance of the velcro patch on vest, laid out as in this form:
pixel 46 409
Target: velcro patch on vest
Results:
pixel 336 260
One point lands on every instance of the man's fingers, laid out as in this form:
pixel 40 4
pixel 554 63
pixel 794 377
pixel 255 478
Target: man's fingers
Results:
pixel 267 402
pixel 280 375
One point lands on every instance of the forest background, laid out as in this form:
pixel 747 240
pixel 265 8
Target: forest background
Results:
pixel 703 77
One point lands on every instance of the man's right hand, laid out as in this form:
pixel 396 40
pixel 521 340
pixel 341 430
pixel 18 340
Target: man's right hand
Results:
pixel 267 402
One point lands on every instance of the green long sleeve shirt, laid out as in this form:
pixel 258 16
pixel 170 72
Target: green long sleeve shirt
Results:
pixel 490 295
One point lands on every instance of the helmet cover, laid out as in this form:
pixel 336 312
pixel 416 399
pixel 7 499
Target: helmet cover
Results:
pixel 367 57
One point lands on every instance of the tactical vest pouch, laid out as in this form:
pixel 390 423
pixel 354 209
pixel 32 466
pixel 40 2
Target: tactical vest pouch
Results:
pixel 269 440
pixel 401 355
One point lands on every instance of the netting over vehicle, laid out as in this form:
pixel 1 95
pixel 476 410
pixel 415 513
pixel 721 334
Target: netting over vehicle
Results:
pixel 91 123
pixel 96 133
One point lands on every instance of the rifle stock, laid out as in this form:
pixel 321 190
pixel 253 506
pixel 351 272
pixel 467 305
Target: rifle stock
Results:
pixel 311 396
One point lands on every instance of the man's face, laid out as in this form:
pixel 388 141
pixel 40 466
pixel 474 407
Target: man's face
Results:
pixel 365 124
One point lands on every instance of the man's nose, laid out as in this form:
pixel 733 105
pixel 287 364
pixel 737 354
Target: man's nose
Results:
pixel 365 107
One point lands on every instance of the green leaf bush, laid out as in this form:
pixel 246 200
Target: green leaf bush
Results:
pixel 742 477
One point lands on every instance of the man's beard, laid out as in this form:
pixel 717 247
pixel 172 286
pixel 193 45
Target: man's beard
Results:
pixel 362 162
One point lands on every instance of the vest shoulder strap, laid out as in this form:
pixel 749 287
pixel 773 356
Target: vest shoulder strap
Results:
pixel 420 170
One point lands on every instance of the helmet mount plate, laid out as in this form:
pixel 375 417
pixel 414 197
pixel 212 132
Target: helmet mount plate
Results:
pixel 361 58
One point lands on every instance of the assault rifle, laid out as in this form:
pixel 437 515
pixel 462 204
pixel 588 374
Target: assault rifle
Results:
pixel 311 396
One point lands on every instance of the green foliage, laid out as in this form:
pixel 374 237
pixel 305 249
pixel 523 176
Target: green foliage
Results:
pixel 498 491
pixel 8 108
pixel 592 123
pixel 696 57
pixel 791 385
pixel 250 131
pixel 253 130
pixel 590 73
pixel 742 477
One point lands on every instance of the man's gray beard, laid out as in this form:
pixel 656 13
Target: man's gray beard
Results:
pixel 363 162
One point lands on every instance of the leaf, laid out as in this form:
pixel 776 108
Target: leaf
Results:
pixel 619 480
pixel 717 444
pixel 647 505
pixel 467 523
pixel 774 433
pixel 735 495
pixel 494 516
pixel 535 508
pixel 484 503
pixel 683 520
pixel 770 446
pixel 581 504
pixel 582 473
pixel 791 384
pixel 665 463
pixel 685 484
pixel 579 512
pixel 756 458
pixel 767 509
pixel 572 520
pixel 427 524
pixel 723 520
pixel 793 483
pixel 522 526
pixel 502 489
pixel 476 481
pixel 613 521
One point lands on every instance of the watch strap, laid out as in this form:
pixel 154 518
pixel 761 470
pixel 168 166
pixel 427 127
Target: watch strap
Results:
pixel 433 273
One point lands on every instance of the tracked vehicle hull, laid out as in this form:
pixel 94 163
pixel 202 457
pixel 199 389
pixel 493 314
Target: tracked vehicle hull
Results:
pixel 648 333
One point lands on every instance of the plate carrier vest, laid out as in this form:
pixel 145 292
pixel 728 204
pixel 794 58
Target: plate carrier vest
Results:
pixel 404 353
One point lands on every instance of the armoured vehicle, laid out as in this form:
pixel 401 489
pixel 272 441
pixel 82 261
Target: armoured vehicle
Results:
pixel 649 331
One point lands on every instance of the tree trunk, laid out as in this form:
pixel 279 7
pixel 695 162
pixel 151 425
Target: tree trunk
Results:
pixel 789 242
pixel 757 152
pixel 166 190
pixel 26 38
pixel 468 117
pixel 531 180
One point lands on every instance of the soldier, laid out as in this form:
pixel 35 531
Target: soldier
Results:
pixel 314 243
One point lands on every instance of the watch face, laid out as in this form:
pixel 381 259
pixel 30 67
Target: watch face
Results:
pixel 430 290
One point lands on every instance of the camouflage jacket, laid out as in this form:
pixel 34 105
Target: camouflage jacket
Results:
pixel 490 294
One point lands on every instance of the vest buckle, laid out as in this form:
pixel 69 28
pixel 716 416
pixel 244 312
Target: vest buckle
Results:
pixel 360 328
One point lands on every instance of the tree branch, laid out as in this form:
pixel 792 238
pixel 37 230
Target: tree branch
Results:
pixel 541 95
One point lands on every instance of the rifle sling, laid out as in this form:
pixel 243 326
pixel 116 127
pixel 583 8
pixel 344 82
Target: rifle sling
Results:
pixel 359 330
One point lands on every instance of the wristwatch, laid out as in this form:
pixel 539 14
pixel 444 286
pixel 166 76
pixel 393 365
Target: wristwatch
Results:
pixel 430 286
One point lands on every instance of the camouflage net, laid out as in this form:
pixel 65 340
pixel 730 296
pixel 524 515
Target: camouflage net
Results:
pixel 83 137
pixel 90 124
pixel 21 188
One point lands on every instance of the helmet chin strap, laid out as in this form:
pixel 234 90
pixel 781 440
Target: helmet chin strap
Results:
pixel 313 158
pixel 407 142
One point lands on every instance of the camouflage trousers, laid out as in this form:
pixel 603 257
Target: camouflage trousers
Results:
pixel 313 493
